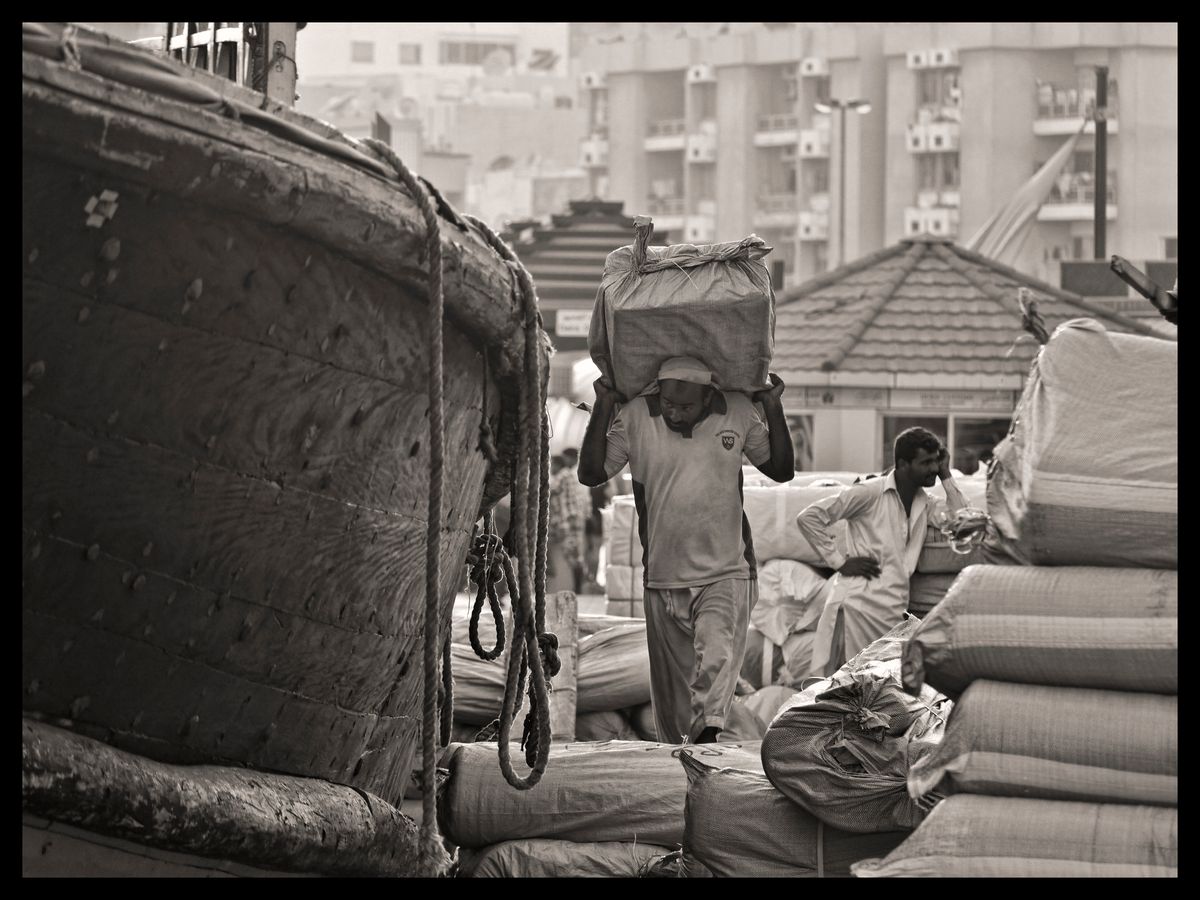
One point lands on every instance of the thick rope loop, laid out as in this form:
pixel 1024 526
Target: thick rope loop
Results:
pixel 435 857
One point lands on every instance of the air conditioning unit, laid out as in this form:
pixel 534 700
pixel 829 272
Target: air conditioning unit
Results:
pixel 698 230
pixel 917 59
pixel 941 222
pixel 813 66
pixel 916 138
pixel 914 221
pixel 701 73
pixel 942 58
pixel 943 136
pixel 593 80
pixel 814 144
pixel 701 148
pixel 812 226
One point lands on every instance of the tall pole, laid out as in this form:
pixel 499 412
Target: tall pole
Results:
pixel 1101 157
pixel 841 184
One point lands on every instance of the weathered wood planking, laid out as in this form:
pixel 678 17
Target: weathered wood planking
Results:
pixel 180 710
pixel 284 549
pixel 183 149
pixel 225 435
pixel 294 824
pixel 253 410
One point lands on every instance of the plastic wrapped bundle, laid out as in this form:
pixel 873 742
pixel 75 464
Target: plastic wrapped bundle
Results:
pixel 738 824
pixel 1089 473
pixel 1022 740
pixel 713 302
pixel 970 835
pixel 614 669
pixel 540 858
pixel 1071 626
pixel 613 791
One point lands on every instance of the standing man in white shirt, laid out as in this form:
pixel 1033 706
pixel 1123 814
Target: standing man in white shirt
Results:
pixel 885 520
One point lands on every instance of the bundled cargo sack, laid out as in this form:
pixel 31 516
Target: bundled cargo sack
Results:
pixel 539 858
pixel 713 302
pixel 609 725
pixel 614 668
pixel 925 591
pixel 969 835
pixel 624 582
pixel 1088 474
pixel 766 663
pixel 641 717
pixel 1057 743
pixel 1072 626
pixel 591 623
pixel 739 825
pixel 613 791
pixel 791 596
pixel 478 685
pixel 842 747
pixel 623 546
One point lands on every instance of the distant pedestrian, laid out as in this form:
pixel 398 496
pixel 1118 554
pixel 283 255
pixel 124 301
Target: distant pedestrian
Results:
pixel 570 506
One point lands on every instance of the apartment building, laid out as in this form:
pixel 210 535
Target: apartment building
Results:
pixel 718 134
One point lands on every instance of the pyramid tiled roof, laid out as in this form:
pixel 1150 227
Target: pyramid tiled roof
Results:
pixel 923 313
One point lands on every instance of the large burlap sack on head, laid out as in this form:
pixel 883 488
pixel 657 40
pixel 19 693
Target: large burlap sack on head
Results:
pixel 713 302
pixel 925 591
pixel 738 824
pixel 1072 626
pixel 614 668
pixel 613 791
pixel 969 835
pixel 1089 472
pixel 1024 740
pixel 539 858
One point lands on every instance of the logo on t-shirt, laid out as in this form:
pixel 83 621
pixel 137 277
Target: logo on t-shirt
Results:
pixel 728 438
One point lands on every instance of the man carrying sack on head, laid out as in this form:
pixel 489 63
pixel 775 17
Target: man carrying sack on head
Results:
pixel 684 439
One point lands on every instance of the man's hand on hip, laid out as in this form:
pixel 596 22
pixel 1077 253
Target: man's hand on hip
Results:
pixel 860 567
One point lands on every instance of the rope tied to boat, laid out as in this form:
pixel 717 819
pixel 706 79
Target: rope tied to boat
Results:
pixel 435 860
pixel 537 651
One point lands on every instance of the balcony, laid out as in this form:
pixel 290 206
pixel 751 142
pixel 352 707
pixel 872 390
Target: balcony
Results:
pixel 593 153
pixel 1074 199
pixel 668 214
pixel 666 135
pixel 934 137
pixel 939 222
pixel 776 210
pixel 777 129
pixel 1062 111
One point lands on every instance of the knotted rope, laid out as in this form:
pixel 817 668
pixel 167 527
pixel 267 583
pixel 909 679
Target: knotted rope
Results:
pixel 532 647
pixel 434 857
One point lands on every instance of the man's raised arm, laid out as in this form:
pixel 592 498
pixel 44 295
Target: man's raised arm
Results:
pixel 593 455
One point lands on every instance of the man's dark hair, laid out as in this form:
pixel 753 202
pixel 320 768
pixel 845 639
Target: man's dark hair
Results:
pixel 910 440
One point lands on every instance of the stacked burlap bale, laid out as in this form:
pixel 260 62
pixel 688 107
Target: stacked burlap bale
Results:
pixel 600 808
pixel 1062 749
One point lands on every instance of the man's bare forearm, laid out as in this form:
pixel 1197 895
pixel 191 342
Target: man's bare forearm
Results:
pixel 595 443
pixel 783 457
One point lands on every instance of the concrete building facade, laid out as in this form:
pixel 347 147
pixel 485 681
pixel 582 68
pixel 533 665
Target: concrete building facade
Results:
pixel 715 134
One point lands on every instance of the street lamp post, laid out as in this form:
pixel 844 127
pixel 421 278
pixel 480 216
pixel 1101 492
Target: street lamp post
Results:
pixel 861 107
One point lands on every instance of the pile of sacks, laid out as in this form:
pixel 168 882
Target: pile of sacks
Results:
pixel 1061 754
pixel 829 786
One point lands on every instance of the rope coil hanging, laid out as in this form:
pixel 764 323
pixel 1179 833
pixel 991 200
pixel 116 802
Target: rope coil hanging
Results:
pixel 532 648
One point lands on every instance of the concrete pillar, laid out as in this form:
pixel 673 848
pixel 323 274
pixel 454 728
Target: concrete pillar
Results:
pixel 627 119
pixel 738 103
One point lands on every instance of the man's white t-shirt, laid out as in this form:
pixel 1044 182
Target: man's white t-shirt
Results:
pixel 688 487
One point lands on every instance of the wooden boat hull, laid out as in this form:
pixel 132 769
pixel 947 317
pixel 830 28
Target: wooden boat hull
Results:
pixel 225 437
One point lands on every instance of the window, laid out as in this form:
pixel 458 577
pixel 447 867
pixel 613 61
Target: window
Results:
pixel 971 439
pixel 362 51
pixel 410 54
pixel 801 428
pixel 472 53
